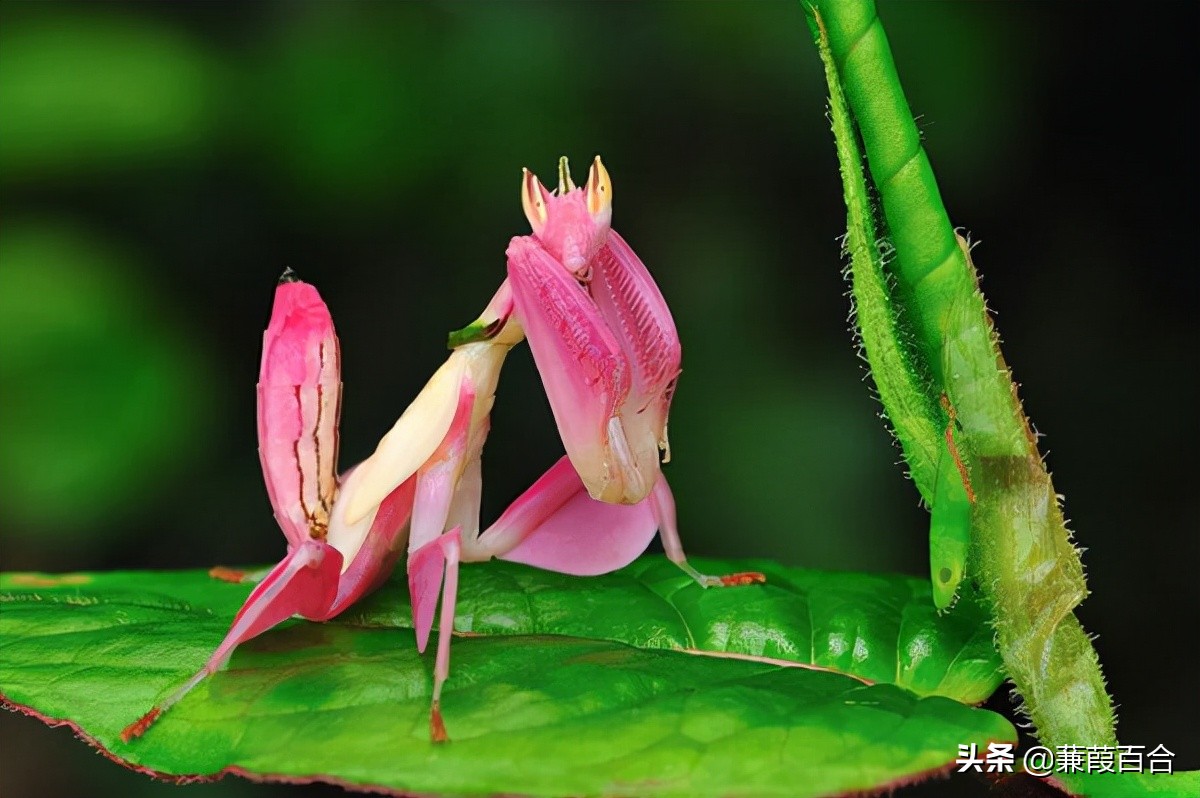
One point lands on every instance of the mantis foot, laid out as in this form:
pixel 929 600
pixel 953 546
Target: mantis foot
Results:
pixel 725 580
pixel 743 578
pixel 227 574
pixel 437 726
pixel 139 726
pixel 236 576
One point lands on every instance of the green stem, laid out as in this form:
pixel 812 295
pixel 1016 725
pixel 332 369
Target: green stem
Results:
pixel 1027 568
pixel 898 371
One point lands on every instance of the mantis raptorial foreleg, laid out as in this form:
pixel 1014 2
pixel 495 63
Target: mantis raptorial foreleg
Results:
pixel 608 353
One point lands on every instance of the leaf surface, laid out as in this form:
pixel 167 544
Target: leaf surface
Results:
pixel 562 686
pixel 1130 785
pixel 882 628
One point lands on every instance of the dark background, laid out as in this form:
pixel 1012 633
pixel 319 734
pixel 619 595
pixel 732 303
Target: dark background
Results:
pixel 161 163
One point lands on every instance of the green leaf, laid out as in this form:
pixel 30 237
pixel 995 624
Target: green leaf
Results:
pixel 879 628
pixel 1131 785
pixel 601 706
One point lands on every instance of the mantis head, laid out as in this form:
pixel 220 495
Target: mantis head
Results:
pixel 571 223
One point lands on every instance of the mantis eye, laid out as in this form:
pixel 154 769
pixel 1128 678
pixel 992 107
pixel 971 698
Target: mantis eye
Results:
pixel 598 189
pixel 533 200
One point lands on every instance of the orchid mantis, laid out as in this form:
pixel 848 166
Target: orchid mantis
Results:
pixel 607 350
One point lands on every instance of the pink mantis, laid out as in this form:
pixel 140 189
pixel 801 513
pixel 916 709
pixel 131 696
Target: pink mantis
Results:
pixel 606 348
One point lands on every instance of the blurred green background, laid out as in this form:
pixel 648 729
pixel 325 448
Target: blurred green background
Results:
pixel 161 163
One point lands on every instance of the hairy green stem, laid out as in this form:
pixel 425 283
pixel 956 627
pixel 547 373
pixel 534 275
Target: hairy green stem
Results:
pixel 899 373
pixel 1021 550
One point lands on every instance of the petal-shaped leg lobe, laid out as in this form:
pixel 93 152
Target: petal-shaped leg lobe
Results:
pixel 557 526
pixel 425 567
pixel 527 512
pixel 450 545
pixel 375 557
pixel 305 583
